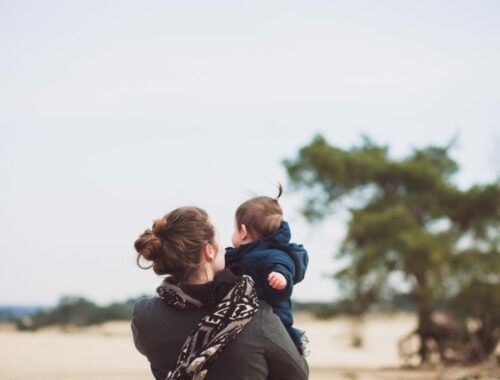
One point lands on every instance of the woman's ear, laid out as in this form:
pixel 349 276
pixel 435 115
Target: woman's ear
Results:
pixel 209 252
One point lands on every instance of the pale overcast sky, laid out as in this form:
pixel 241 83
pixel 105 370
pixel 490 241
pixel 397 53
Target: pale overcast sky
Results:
pixel 114 112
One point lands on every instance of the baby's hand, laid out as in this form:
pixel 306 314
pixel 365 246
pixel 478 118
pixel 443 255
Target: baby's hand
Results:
pixel 276 280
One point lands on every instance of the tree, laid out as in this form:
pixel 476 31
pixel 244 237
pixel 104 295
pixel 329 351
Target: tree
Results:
pixel 408 219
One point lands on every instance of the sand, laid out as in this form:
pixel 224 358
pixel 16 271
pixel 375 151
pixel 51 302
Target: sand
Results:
pixel 107 352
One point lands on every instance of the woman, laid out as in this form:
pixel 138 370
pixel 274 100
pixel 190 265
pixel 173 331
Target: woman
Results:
pixel 207 322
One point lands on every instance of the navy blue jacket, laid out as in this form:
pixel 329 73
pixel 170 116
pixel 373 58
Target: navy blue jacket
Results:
pixel 274 253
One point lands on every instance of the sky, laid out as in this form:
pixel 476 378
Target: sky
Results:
pixel 112 113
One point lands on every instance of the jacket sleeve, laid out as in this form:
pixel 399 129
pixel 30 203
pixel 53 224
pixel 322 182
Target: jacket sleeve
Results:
pixel 283 264
pixel 283 359
pixel 136 332
pixel 138 336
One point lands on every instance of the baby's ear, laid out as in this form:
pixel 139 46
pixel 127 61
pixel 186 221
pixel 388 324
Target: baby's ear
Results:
pixel 243 232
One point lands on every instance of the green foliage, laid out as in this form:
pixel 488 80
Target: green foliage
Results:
pixel 408 218
pixel 76 311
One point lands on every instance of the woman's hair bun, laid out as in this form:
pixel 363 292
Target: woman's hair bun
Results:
pixel 159 226
pixel 148 245
pixel 174 244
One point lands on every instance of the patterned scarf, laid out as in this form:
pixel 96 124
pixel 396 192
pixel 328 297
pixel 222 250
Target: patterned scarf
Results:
pixel 216 330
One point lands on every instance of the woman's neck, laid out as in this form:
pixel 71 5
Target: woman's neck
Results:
pixel 198 278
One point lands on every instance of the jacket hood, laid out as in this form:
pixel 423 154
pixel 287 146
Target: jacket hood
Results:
pixel 281 236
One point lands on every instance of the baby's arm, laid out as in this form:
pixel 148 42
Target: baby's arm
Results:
pixel 278 276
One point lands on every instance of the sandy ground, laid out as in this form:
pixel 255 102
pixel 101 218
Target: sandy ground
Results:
pixel 107 352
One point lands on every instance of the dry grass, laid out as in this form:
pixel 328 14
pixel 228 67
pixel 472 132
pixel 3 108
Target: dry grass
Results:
pixel 107 352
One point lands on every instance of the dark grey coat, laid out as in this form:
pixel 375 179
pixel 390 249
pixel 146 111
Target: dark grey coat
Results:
pixel 263 350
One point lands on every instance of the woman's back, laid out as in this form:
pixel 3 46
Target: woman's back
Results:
pixel 263 350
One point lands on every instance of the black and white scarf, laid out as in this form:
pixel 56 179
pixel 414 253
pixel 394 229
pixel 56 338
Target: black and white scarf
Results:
pixel 232 311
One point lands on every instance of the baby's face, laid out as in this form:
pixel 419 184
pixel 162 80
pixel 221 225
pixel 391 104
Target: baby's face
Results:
pixel 219 262
pixel 236 238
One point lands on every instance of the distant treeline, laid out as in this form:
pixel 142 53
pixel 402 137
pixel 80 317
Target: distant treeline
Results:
pixel 76 311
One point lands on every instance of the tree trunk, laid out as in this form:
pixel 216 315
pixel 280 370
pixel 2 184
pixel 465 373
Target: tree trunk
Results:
pixel 424 331
pixel 425 325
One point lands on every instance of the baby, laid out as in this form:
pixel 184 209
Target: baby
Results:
pixel 262 249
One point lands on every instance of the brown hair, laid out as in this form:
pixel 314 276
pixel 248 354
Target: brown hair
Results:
pixel 262 216
pixel 175 243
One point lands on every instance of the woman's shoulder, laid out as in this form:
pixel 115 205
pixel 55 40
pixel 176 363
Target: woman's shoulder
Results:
pixel 146 306
pixel 153 313
pixel 145 303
